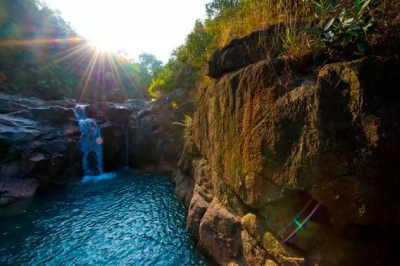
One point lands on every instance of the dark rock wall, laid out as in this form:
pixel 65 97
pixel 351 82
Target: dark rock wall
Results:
pixel 157 142
pixel 41 139
pixel 305 174
pixel 38 139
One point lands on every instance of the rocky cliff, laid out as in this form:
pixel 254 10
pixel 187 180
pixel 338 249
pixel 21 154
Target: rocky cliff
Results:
pixel 40 140
pixel 295 168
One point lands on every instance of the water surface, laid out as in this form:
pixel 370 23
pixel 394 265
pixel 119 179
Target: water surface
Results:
pixel 127 220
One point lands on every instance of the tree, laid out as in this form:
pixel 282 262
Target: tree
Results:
pixel 199 45
pixel 216 7
pixel 150 64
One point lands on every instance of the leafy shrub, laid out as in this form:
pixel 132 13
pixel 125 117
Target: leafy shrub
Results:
pixel 344 28
pixel 187 127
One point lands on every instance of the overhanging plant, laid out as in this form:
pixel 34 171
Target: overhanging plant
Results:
pixel 336 30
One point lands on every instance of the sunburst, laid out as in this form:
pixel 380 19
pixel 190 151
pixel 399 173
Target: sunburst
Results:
pixel 101 60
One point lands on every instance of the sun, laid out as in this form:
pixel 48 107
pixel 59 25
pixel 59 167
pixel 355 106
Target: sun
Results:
pixel 104 44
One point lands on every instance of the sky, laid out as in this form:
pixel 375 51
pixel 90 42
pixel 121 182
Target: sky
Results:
pixel 137 26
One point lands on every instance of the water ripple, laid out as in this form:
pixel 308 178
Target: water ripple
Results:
pixel 129 220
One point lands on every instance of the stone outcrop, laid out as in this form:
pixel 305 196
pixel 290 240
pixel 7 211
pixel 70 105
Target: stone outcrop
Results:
pixel 40 140
pixel 156 142
pixel 38 144
pixel 248 50
pixel 302 174
pixel 37 138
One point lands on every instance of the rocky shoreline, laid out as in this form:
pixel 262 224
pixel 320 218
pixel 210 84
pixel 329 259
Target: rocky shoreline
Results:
pixel 39 140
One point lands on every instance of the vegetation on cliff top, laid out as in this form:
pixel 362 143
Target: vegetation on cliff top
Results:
pixel 42 55
pixel 339 30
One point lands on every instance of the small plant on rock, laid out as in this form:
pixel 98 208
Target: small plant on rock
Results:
pixel 187 125
pixel 340 27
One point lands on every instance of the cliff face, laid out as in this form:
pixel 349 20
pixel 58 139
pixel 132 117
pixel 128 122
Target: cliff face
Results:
pixel 40 141
pixel 296 171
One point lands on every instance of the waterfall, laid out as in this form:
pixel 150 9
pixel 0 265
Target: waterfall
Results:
pixel 91 141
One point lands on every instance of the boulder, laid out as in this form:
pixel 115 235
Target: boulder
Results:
pixel 219 234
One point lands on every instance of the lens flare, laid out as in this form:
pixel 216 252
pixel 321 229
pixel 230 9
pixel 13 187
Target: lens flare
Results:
pixel 302 218
pixel 174 105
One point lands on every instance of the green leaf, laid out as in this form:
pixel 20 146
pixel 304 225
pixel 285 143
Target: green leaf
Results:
pixel 354 32
pixel 357 7
pixel 329 24
pixel 361 45
pixel 310 30
pixel 318 10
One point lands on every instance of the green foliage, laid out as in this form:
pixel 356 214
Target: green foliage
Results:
pixel 187 125
pixel 220 7
pixel 341 25
pixel 31 36
pixel 198 46
pixel 349 26
pixel 183 69
pixel 150 64
pixel 42 56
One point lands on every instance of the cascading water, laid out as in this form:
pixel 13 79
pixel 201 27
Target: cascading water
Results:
pixel 91 141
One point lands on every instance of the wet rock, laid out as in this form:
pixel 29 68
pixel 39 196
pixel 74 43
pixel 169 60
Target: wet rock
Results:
pixel 11 169
pixel 41 139
pixel 6 201
pixel 184 187
pixel 51 114
pixel 18 188
pixel 113 135
pixel 197 208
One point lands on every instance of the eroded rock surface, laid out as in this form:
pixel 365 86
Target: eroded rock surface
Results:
pixel 305 174
pixel 156 142
pixel 40 140
pixel 245 51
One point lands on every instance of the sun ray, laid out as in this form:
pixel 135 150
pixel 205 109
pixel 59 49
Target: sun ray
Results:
pixel 130 78
pixel 29 42
pixel 88 72
pixel 118 75
pixel 73 51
